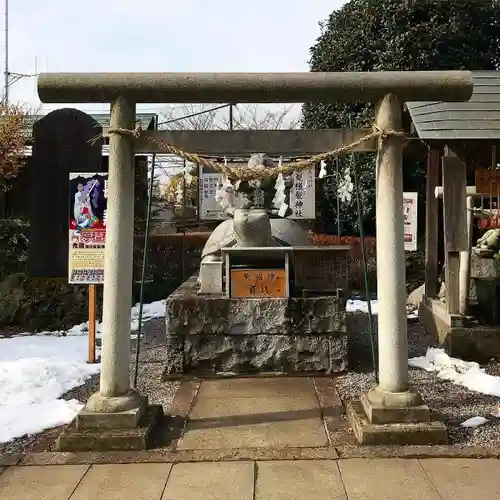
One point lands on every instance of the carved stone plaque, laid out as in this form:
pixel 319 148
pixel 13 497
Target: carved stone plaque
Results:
pixel 253 283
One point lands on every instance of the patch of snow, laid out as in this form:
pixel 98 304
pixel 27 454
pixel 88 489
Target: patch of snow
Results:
pixel 37 369
pixel 356 305
pixel 34 373
pixel 465 373
pixel 474 422
pixel 149 311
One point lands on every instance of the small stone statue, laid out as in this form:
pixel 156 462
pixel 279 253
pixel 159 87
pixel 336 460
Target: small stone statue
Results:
pixel 488 246
pixel 251 224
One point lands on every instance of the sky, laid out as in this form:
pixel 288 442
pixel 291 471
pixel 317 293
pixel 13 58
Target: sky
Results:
pixel 158 35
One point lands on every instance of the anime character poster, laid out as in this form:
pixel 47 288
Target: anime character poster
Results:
pixel 410 221
pixel 87 227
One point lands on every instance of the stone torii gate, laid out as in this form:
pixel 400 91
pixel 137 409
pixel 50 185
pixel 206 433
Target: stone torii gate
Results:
pixel 392 401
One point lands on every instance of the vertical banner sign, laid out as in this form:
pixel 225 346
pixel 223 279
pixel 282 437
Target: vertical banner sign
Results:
pixel 208 184
pixel 303 194
pixel 410 221
pixel 87 227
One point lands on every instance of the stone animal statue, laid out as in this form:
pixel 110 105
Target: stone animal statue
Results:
pixel 250 225
pixel 490 240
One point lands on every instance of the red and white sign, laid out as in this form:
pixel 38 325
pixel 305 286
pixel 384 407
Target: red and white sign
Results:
pixel 410 201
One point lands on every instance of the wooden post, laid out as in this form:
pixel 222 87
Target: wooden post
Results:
pixel 431 224
pixel 465 261
pixel 92 322
pixel 455 225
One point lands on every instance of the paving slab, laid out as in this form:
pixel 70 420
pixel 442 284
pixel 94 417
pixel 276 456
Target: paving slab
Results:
pixel 211 481
pixel 55 482
pixel 218 422
pixel 464 479
pixel 308 433
pixel 386 479
pixel 123 481
pixel 257 387
pixel 296 480
pixel 250 409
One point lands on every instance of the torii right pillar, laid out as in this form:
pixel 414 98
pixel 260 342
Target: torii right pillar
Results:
pixel 392 412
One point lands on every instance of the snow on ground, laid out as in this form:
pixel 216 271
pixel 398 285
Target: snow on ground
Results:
pixel 356 305
pixel 34 373
pixel 149 311
pixel 37 369
pixel 465 373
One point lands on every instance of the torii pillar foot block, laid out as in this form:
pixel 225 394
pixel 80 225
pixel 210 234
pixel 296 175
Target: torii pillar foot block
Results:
pixel 131 429
pixel 394 419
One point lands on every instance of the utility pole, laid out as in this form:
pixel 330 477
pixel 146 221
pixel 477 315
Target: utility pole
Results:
pixel 6 72
pixel 9 77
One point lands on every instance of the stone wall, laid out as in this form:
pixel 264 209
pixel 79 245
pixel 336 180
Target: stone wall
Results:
pixel 209 335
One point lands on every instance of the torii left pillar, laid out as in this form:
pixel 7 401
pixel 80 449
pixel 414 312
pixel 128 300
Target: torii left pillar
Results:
pixel 116 417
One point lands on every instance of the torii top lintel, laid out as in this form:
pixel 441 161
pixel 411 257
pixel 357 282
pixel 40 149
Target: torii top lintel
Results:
pixel 255 87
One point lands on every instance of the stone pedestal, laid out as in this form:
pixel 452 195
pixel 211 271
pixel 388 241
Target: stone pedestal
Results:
pixel 101 426
pixel 217 334
pixel 384 418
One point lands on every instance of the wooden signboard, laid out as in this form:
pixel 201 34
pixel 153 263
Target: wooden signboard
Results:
pixel 252 283
pixel 488 181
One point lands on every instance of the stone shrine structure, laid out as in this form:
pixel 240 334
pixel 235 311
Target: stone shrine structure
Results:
pixel 255 309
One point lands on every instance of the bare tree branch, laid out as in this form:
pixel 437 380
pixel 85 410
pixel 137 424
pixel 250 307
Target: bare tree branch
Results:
pixel 191 117
pixel 245 117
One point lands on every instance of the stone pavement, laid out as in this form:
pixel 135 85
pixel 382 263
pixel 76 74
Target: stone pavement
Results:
pixel 353 479
pixel 255 439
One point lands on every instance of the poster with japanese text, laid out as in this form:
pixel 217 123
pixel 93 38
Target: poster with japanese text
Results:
pixel 87 227
pixel 410 220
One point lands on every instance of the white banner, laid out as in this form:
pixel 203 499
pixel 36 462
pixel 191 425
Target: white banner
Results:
pixel 410 201
pixel 209 207
pixel 302 195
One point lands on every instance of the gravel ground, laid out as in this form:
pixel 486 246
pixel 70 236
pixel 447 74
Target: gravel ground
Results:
pixel 453 403
pixel 152 354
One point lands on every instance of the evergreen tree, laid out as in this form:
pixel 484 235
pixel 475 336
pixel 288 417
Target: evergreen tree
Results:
pixel 385 35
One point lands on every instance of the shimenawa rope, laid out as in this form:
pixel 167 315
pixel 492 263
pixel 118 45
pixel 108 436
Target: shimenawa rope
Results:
pixel 245 173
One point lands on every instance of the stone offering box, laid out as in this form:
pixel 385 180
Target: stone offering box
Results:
pixel 275 309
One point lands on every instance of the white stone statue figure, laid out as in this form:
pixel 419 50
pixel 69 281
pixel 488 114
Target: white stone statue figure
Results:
pixel 250 224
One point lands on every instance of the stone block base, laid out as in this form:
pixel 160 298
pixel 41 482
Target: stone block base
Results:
pixel 212 334
pixel 472 342
pixel 378 413
pixel 248 354
pixel 129 419
pixel 408 433
pixel 109 436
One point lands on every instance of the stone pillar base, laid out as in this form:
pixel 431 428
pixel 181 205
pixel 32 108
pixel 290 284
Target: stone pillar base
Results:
pixel 394 419
pixel 97 428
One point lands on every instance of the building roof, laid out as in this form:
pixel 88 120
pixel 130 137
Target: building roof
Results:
pixel 479 118
pixel 147 120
